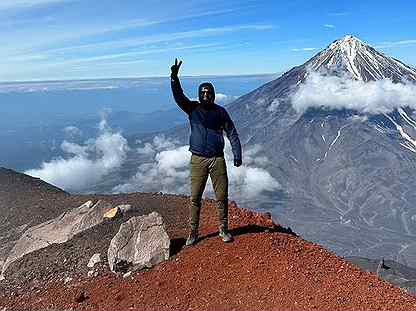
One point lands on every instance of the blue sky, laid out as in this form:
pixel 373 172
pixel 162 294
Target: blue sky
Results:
pixel 77 39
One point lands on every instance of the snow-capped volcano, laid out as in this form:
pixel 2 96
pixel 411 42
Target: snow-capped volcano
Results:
pixel 352 56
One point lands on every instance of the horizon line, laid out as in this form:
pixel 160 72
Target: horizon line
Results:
pixel 137 77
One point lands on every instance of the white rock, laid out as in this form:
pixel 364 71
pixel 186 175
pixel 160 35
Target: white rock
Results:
pixel 126 275
pixel 124 208
pixel 67 279
pixel 96 258
pixel 140 242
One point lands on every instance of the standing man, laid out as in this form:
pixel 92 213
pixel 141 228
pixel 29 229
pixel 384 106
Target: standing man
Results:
pixel 208 120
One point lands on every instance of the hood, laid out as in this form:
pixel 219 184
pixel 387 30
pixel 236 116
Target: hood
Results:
pixel 211 88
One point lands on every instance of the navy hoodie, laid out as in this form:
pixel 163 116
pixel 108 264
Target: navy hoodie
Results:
pixel 207 124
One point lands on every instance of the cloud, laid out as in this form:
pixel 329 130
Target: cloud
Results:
pixel 337 14
pixel 20 4
pixel 57 50
pixel 72 131
pixel 224 98
pixel 87 164
pixel 335 92
pixel 400 43
pixel 221 98
pixel 168 171
pixel 307 49
pixel 165 37
pixel 159 143
pixel 329 26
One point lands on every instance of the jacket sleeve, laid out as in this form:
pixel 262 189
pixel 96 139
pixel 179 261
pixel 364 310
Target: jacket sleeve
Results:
pixel 232 135
pixel 183 102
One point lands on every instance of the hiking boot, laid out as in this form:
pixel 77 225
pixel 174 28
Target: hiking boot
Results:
pixel 226 236
pixel 193 237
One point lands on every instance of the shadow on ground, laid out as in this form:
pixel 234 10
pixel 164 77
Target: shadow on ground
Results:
pixel 177 244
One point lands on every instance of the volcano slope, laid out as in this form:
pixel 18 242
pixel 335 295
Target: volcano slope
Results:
pixel 266 267
pixel 346 175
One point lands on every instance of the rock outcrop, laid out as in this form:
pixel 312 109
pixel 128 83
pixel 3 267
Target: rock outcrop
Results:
pixel 58 230
pixel 141 242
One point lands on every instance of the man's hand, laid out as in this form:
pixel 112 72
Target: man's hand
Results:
pixel 175 68
pixel 237 162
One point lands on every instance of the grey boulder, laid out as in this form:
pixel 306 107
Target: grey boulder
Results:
pixel 141 241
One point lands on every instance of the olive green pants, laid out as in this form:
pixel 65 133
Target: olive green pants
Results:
pixel 215 167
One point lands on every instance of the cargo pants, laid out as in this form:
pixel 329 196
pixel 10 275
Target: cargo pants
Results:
pixel 216 168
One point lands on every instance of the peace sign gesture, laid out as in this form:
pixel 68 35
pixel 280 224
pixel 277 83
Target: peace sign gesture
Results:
pixel 175 68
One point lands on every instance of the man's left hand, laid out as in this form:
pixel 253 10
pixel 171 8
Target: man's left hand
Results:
pixel 237 162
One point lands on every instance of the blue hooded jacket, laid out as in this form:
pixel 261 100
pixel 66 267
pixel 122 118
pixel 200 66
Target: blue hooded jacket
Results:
pixel 207 124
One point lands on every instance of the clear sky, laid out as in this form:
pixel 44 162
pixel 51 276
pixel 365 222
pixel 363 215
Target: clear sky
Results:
pixel 75 39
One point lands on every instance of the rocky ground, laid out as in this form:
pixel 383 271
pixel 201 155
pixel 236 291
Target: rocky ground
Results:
pixel 267 267
pixel 264 268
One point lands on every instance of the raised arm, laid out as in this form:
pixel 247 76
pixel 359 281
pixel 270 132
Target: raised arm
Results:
pixel 232 135
pixel 183 102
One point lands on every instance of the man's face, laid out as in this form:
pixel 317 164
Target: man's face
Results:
pixel 206 95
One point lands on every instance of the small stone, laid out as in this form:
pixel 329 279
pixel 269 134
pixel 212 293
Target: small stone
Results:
pixel 124 208
pixel 80 297
pixel 90 273
pixel 94 260
pixel 67 280
pixel 126 275
pixel 112 213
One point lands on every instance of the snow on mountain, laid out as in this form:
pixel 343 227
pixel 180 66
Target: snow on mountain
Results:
pixel 351 55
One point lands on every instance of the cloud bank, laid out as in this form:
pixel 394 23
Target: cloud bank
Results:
pixel 86 164
pixel 224 98
pixel 168 171
pixel 334 92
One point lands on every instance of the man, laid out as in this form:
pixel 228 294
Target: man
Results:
pixel 207 120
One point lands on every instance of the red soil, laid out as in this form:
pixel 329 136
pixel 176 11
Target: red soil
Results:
pixel 263 269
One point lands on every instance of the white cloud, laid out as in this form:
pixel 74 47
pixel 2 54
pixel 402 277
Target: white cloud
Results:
pixel 339 14
pixel 307 49
pixel 72 131
pixel 400 43
pixel 19 4
pixel 168 171
pixel 87 163
pixel 329 26
pixel 224 99
pixel 221 98
pixel 160 143
pixel 335 92
pixel 59 51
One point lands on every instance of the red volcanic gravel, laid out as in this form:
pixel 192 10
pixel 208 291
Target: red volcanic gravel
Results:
pixel 265 268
